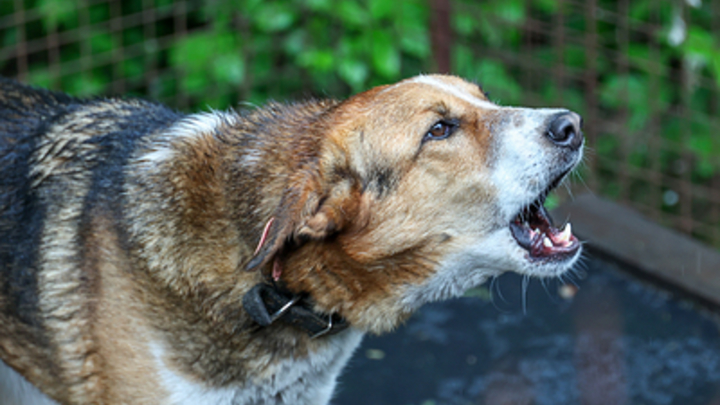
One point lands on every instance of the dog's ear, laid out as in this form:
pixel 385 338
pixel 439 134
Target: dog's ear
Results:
pixel 307 211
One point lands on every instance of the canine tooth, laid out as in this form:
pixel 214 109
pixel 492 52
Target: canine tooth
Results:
pixel 566 233
pixel 536 230
pixel 547 242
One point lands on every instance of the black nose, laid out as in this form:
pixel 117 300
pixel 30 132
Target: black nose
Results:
pixel 565 130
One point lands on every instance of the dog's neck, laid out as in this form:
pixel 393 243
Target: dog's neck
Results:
pixel 286 380
pixel 206 333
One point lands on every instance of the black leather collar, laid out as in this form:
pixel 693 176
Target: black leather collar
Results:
pixel 266 303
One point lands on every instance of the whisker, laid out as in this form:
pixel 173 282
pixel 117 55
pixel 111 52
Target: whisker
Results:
pixel 499 290
pixel 553 297
pixel 525 282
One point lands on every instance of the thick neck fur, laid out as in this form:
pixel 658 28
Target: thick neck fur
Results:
pixel 226 176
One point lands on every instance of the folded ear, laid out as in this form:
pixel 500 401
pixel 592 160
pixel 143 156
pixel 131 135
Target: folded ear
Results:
pixel 306 211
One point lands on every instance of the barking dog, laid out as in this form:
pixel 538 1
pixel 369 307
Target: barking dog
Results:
pixel 150 257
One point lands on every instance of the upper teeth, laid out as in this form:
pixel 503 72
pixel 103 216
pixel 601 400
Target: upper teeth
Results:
pixel 566 233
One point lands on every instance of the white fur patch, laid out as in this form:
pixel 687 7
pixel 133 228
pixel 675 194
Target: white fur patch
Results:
pixel 190 127
pixel 308 380
pixel 475 262
pixel 16 390
pixel 526 160
pixel 454 90
pixel 251 157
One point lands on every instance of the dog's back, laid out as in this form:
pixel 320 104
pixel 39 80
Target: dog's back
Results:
pixel 58 161
pixel 23 114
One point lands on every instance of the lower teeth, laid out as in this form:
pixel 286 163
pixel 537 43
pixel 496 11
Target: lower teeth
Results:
pixel 547 242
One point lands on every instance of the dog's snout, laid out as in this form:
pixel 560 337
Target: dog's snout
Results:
pixel 565 130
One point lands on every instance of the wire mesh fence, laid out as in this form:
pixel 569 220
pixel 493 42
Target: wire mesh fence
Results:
pixel 99 47
pixel 644 74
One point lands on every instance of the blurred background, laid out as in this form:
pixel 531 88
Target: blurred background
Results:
pixel 643 73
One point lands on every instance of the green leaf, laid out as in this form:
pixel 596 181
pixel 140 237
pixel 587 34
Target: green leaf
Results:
pixel 512 11
pixel 463 61
pixel 131 36
pixel 380 9
pixel 229 68
pixel 414 12
pixel 416 42
pixel 354 72
pixel 262 66
pixel 295 42
pixel 319 5
pixel 207 57
pixel 574 56
pixel 318 61
pixel 84 85
pixel 631 91
pixel 99 12
pixel 547 6
pixel 9 37
pixel 715 66
pixel 133 68
pixel 352 13
pixel 41 78
pixel 464 23
pixel 101 42
pixel 57 12
pixel 705 168
pixel 385 55
pixel 489 30
pixel 699 44
pixel 194 83
pixel 274 17
pixel 701 144
pixel 641 10
pixel 498 82
pixel 640 57
pixel 192 52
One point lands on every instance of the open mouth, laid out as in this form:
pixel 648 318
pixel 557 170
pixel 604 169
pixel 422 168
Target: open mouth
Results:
pixel 534 231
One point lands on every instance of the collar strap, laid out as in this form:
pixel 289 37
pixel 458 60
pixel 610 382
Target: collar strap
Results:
pixel 266 304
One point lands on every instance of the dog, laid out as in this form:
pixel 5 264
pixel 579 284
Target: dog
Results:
pixel 153 257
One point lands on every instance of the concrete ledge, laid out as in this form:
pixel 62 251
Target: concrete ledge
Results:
pixel 658 252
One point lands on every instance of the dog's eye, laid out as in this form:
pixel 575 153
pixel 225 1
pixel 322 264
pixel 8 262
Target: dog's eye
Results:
pixel 440 130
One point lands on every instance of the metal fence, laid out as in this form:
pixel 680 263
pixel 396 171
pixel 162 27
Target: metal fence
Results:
pixel 642 121
pixel 110 47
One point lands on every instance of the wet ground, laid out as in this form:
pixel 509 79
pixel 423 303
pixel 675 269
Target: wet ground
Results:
pixel 616 340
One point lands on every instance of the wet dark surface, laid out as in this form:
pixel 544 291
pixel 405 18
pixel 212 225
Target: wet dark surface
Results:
pixel 616 341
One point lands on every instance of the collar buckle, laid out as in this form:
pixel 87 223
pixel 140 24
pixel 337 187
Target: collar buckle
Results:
pixel 266 304
pixel 327 329
pixel 284 308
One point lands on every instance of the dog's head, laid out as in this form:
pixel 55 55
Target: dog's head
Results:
pixel 419 191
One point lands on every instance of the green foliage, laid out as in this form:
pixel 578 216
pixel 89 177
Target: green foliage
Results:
pixel 340 47
pixel 253 50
